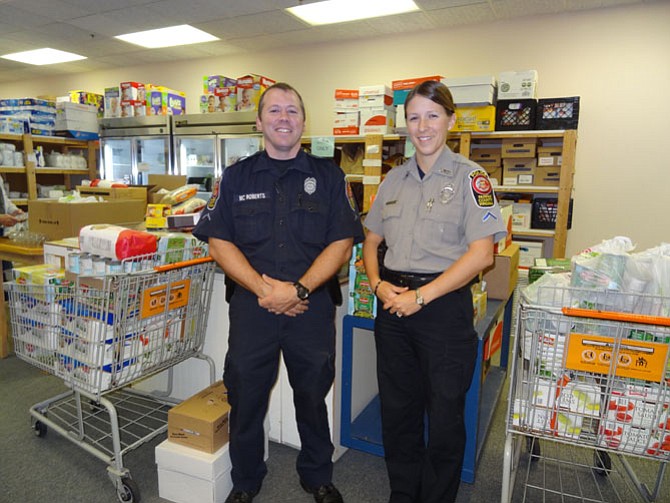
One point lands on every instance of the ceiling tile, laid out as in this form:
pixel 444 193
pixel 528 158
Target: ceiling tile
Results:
pixel 505 9
pixel 402 23
pixel 469 14
pixel 253 24
pixel 445 4
pixel 21 18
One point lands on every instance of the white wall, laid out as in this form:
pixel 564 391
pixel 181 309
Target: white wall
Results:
pixel 615 59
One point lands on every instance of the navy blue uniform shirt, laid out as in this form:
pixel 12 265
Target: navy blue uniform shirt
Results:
pixel 280 214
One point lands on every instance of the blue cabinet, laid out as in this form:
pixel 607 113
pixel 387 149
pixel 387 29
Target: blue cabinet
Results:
pixel 361 424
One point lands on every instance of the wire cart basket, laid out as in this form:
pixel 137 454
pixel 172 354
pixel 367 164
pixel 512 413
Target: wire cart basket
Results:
pixel 591 375
pixel 100 335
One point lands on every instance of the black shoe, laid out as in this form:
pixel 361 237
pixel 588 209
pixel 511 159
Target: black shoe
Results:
pixel 324 494
pixel 241 496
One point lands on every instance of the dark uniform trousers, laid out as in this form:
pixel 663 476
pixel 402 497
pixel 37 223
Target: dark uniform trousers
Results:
pixel 307 343
pixel 425 364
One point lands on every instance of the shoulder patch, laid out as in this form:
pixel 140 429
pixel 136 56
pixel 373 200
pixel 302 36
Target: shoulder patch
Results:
pixel 215 194
pixel 482 190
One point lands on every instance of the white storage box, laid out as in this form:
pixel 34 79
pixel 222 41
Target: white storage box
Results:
pixel 521 215
pixel 529 251
pixel 517 85
pixel 186 475
pixel 472 91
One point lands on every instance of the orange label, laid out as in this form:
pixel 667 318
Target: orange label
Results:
pixel 636 359
pixel 155 298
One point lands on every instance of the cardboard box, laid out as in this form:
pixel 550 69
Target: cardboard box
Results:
pixel 475 118
pixel 186 475
pixel 60 220
pixel 550 155
pixel 487 157
pixel 501 277
pixel 472 91
pixel 201 422
pixel 517 85
pixel 56 253
pixel 547 176
pixel 519 171
pixel 518 147
pixel 506 211
pixel 249 90
pixel 139 193
pixel 408 84
pixel 168 182
pixel 112 102
pixel 132 91
pixel 346 100
pixel 529 251
pixel 210 83
pixel 377 120
pixel 521 215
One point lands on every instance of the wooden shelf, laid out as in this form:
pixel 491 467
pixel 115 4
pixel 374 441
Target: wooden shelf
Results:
pixel 60 171
pixel 534 233
pixel 526 189
pixel 27 142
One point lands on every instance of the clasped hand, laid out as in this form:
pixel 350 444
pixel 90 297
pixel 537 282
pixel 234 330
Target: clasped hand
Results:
pixel 398 300
pixel 279 297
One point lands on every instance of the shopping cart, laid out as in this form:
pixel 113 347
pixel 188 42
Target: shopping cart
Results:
pixel 100 335
pixel 590 374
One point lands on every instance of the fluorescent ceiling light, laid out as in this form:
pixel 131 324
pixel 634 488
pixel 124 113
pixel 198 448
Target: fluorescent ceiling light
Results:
pixel 44 56
pixel 340 11
pixel 168 37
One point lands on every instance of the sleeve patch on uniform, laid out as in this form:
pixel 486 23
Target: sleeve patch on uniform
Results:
pixel 482 190
pixel 215 194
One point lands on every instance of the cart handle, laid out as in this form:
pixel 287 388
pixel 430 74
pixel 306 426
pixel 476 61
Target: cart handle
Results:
pixel 617 316
pixel 184 263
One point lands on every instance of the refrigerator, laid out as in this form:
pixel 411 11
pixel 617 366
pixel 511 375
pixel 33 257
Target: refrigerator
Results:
pixel 131 148
pixel 205 144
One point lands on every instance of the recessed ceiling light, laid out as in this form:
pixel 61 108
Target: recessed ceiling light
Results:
pixel 44 56
pixel 168 37
pixel 340 11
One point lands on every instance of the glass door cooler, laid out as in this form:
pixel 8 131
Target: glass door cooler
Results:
pixel 205 144
pixel 131 148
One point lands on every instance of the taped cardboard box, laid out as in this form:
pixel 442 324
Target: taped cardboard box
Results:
pixel 502 276
pixel 114 192
pixel 61 220
pixel 201 422
pixel 167 182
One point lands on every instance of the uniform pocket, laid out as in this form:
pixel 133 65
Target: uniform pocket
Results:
pixel 308 215
pixel 440 226
pixel 391 215
pixel 252 221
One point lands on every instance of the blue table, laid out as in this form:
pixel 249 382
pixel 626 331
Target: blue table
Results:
pixel 364 431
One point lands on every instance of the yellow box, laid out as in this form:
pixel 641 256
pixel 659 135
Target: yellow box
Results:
pixel 475 118
pixel 156 217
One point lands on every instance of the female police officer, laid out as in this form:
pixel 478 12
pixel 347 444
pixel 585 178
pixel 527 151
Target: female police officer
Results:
pixel 439 217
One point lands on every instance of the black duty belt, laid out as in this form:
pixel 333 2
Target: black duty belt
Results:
pixel 408 279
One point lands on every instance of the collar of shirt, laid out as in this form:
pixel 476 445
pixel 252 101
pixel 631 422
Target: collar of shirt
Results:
pixel 439 168
pixel 301 163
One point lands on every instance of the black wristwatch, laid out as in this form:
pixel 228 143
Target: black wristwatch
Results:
pixel 301 290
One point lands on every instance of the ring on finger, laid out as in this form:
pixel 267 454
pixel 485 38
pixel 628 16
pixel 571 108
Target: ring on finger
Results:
pixel 398 314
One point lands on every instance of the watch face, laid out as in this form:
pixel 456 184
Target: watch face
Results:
pixel 302 291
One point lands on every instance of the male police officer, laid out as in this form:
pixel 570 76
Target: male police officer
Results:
pixel 280 225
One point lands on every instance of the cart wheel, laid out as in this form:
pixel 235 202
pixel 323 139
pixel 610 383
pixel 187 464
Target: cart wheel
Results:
pixel 129 492
pixel 533 447
pixel 602 463
pixel 40 429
